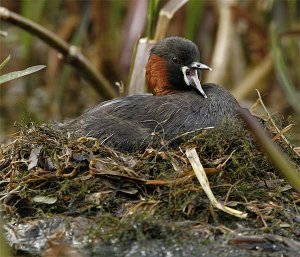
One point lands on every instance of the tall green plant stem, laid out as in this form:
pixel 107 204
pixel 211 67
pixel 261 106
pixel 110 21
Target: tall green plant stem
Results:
pixel 151 14
pixel 282 74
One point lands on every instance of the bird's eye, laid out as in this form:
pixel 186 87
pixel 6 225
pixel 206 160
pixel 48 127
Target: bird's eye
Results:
pixel 175 60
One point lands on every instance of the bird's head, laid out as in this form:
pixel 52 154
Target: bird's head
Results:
pixel 173 66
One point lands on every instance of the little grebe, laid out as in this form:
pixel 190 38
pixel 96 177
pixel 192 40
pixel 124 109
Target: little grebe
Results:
pixel 179 103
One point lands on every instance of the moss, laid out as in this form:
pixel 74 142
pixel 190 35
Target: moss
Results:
pixel 110 187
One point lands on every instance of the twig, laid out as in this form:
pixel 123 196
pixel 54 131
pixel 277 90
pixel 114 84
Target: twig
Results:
pixel 284 130
pixel 200 173
pixel 220 166
pixel 179 136
pixel 279 159
pixel 184 134
pixel 71 53
pixel 274 124
pixel 10 193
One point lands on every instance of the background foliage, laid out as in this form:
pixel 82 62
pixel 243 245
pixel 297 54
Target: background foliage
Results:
pixel 262 38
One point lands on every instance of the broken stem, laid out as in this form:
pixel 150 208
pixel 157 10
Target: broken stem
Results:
pixel 202 178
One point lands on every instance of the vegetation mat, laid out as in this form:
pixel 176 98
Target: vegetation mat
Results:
pixel 63 195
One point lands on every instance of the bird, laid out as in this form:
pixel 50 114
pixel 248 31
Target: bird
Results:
pixel 179 103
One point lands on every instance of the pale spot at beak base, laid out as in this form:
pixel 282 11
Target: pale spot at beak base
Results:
pixel 193 80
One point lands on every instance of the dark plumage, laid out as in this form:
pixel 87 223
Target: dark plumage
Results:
pixel 135 122
pixel 128 123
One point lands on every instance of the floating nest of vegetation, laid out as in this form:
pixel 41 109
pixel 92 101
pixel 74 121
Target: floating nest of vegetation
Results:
pixel 51 180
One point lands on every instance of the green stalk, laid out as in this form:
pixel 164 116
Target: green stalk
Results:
pixel 151 17
pixel 282 74
pixel 193 14
pixel 32 10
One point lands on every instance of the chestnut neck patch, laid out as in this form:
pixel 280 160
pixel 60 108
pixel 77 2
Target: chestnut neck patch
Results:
pixel 157 76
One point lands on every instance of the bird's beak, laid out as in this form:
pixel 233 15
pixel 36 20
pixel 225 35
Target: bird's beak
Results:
pixel 200 66
pixel 191 78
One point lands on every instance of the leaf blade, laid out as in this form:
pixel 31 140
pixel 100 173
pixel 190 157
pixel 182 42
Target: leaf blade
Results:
pixel 18 74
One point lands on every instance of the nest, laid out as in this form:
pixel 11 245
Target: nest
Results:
pixel 45 173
